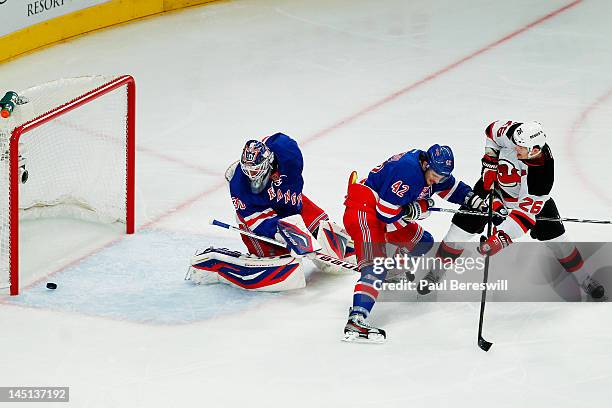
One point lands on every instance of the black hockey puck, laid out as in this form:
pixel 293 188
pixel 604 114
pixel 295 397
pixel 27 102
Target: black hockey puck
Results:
pixel 598 292
pixel 51 285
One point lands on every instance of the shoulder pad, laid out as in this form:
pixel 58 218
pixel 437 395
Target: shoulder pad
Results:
pixel 229 173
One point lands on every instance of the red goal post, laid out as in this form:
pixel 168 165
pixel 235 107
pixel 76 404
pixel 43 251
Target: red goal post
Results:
pixel 88 120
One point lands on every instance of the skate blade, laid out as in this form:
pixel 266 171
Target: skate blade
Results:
pixel 353 337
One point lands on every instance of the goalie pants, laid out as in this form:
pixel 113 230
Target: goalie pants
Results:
pixel 312 216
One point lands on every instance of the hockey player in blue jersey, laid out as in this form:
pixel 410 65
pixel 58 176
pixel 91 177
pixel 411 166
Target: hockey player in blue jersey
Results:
pixel 266 186
pixel 266 190
pixel 385 208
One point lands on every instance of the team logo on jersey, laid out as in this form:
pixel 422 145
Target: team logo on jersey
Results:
pixel 288 196
pixel 277 179
pixel 508 175
pixel 425 193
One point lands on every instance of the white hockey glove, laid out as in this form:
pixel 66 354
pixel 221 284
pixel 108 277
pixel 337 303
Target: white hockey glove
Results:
pixel 417 210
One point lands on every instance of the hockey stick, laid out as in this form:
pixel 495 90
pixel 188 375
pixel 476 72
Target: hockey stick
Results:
pixel 481 214
pixel 482 343
pixel 330 260
pixel 467 212
pixel 247 233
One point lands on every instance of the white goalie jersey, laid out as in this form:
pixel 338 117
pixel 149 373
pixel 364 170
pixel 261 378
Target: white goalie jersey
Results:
pixel 524 185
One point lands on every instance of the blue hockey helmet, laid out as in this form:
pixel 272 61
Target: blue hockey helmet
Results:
pixel 441 160
pixel 256 164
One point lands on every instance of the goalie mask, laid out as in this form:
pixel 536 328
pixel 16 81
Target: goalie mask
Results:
pixel 256 164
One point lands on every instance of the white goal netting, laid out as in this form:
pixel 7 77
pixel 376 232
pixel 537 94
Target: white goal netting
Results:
pixel 73 152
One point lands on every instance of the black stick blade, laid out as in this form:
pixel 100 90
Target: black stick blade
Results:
pixel 483 344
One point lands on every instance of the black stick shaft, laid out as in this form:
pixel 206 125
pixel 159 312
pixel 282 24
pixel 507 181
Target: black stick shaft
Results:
pixel 482 343
pixel 481 214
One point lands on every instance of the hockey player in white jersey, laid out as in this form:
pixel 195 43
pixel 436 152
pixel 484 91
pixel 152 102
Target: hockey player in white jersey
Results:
pixel 518 167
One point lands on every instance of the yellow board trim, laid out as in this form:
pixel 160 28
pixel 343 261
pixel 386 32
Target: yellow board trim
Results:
pixel 84 21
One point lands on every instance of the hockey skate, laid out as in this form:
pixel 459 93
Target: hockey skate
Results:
pixel 396 276
pixel 357 330
pixel 432 277
pixel 404 271
pixel 594 289
pixel 399 275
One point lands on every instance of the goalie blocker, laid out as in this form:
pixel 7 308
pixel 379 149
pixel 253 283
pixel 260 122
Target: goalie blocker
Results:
pixel 279 273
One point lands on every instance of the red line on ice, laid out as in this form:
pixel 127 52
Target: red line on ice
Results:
pixel 436 74
pixel 587 182
pixel 326 131
pixel 342 122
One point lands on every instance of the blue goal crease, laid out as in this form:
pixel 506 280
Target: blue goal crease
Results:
pixel 141 279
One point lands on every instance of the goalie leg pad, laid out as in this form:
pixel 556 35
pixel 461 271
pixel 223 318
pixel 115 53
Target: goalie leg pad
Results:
pixel 272 274
pixel 333 265
pixel 298 238
pixel 334 239
pixel 335 244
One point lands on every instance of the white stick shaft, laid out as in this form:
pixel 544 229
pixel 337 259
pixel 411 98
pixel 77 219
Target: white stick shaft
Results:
pixel 247 233
pixel 330 260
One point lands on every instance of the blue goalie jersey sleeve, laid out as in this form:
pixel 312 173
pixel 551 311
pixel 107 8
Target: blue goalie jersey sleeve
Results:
pixel 288 156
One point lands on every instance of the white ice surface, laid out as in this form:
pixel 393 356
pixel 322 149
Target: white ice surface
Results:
pixel 344 78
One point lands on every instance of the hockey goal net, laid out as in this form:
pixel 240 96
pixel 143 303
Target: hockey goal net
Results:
pixel 67 150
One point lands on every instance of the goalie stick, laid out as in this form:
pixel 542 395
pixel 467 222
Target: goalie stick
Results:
pixel 330 260
pixel 482 214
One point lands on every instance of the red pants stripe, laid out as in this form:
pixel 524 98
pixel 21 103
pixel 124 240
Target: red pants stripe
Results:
pixel 368 232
